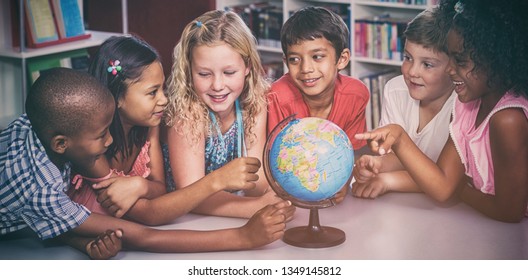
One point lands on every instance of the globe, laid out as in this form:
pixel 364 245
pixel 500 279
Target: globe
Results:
pixel 307 161
pixel 310 159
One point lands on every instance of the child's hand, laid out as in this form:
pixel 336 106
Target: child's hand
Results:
pixel 270 197
pixel 239 174
pixel 383 138
pixel 267 225
pixel 373 188
pixel 340 195
pixel 105 246
pixel 119 194
pixel 366 168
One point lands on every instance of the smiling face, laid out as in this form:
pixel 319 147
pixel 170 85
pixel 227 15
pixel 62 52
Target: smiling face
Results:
pixel 313 66
pixel 424 73
pixel 218 74
pixel 469 84
pixel 144 101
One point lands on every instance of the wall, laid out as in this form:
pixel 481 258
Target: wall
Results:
pixel 158 22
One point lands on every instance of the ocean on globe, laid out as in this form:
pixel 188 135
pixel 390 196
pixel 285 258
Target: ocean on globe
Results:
pixel 310 158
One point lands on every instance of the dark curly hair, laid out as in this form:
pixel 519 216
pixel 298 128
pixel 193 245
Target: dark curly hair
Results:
pixel 495 38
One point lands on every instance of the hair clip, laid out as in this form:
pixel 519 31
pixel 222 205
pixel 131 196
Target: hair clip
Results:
pixel 114 67
pixel 459 7
pixel 199 23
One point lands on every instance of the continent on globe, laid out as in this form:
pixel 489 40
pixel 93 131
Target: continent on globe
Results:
pixel 310 158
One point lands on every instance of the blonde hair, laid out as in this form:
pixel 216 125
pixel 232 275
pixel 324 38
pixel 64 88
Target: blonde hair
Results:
pixel 186 110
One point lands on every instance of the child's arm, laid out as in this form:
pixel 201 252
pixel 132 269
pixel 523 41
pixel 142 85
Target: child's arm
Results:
pixel 266 226
pixel 120 194
pixel 188 166
pixel 102 247
pixel 508 139
pixel 437 180
pixel 377 175
pixel 237 174
pixel 397 181
pixel 256 150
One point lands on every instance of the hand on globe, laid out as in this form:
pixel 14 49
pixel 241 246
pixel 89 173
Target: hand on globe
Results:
pixel 238 174
pixel 267 225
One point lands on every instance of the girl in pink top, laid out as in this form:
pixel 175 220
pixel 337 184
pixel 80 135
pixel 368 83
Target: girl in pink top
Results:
pixel 485 160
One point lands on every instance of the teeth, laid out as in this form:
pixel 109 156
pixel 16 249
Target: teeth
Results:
pixel 458 83
pixel 310 80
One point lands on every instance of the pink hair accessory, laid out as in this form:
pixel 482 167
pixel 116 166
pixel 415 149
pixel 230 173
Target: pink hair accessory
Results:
pixel 114 67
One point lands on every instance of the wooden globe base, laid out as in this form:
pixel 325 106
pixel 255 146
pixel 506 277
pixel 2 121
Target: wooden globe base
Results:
pixel 314 235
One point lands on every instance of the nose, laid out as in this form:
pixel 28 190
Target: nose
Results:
pixel 413 70
pixel 218 83
pixel 163 100
pixel 306 66
pixel 450 69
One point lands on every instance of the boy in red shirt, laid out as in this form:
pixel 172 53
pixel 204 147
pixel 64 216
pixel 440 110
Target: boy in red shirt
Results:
pixel 315 46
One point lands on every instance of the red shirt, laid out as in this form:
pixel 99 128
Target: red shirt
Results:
pixel 348 110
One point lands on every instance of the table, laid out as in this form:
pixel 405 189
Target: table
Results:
pixel 407 226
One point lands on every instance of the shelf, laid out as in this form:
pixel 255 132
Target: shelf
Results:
pixel 378 61
pixel 391 5
pixel 96 39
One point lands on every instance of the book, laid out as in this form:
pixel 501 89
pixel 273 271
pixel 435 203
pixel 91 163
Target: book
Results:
pixel 68 18
pixel 41 19
pixel 40 23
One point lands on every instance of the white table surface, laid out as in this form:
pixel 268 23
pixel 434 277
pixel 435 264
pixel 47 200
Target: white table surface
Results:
pixel 394 226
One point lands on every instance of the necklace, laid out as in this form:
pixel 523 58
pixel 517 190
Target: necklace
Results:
pixel 220 154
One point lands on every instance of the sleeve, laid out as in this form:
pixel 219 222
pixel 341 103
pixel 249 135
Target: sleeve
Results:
pixel 50 212
pixel 358 123
pixel 389 106
pixel 275 114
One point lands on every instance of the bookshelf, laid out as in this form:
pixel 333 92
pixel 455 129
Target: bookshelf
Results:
pixel 361 66
pixel 13 61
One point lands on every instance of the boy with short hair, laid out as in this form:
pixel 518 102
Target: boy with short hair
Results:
pixel 315 46
pixel 67 125
pixel 67 118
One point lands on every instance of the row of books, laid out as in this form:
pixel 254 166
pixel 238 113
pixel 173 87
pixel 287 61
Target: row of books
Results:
pixel 376 83
pixel 408 2
pixel 265 19
pixel 48 22
pixel 380 37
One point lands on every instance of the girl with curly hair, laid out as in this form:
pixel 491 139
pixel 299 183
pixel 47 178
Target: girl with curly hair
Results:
pixel 217 110
pixel 485 158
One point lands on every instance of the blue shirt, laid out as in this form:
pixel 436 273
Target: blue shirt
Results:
pixel 32 188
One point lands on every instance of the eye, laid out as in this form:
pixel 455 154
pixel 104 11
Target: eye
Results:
pixel 406 57
pixel 318 57
pixel 428 65
pixel 293 60
pixel 204 74
pixel 230 72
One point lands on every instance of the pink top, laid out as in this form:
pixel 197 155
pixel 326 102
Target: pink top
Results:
pixel 85 195
pixel 473 144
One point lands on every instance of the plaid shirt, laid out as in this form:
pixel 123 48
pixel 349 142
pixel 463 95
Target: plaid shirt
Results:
pixel 32 188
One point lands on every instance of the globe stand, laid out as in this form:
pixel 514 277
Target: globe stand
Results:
pixel 314 235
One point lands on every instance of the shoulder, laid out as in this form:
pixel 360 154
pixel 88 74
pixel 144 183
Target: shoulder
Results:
pixel 283 90
pixel 349 86
pixel 397 83
pixel 509 120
